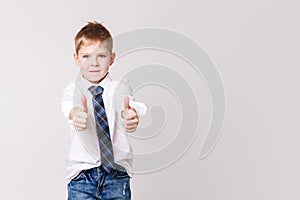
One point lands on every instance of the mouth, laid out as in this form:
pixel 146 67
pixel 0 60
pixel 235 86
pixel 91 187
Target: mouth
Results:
pixel 95 71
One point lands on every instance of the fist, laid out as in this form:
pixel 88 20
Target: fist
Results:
pixel 79 115
pixel 130 117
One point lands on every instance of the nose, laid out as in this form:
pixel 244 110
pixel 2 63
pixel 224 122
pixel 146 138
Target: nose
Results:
pixel 94 62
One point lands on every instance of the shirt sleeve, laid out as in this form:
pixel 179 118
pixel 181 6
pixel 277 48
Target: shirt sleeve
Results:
pixel 67 101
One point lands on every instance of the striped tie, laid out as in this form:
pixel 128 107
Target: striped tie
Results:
pixel 106 151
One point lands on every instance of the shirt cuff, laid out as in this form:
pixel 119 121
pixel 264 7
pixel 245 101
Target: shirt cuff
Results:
pixel 139 107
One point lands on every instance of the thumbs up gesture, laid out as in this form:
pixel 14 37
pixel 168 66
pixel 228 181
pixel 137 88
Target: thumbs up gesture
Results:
pixel 79 115
pixel 130 117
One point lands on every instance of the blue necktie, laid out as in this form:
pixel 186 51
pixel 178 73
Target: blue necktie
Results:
pixel 106 151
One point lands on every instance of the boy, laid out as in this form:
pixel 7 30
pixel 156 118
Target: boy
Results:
pixel 101 112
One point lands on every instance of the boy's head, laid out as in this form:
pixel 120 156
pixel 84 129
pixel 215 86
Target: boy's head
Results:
pixel 93 51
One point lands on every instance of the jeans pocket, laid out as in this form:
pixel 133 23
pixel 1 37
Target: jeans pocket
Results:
pixel 122 174
pixel 79 176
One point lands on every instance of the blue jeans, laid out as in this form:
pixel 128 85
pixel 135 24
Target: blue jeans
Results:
pixel 96 184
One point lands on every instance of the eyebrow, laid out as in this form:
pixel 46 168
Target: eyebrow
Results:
pixel 102 52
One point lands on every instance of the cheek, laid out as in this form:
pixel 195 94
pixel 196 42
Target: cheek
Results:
pixel 84 63
pixel 83 67
pixel 104 63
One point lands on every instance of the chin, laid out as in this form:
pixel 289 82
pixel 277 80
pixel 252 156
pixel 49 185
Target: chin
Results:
pixel 96 80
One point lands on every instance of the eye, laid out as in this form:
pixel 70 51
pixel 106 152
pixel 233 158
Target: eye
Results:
pixel 85 56
pixel 102 56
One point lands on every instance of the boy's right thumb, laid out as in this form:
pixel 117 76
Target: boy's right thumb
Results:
pixel 84 104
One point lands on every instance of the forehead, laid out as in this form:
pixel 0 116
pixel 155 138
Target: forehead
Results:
pixel 93 47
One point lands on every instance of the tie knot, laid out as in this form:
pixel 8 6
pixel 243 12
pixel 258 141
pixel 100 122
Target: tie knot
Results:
pixel 95 90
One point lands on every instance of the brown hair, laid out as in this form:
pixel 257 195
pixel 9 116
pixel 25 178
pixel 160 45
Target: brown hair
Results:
pixel 93 32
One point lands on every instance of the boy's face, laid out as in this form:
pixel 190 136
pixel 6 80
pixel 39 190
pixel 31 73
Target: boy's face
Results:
pixel 94 61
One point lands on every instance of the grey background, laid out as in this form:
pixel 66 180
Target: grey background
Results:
pixel 254 45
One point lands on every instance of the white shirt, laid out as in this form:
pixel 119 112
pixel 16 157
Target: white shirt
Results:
pixel 85 151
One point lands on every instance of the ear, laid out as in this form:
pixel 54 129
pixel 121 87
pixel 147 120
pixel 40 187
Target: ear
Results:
pixel 112 58
pixel 76 59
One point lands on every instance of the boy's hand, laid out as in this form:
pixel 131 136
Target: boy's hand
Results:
pixel 79 115
pixel 130 117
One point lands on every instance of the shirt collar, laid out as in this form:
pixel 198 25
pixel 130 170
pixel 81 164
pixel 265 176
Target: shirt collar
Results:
pixel 85 84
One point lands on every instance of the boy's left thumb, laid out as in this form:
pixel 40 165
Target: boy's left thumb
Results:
pixel 126 103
